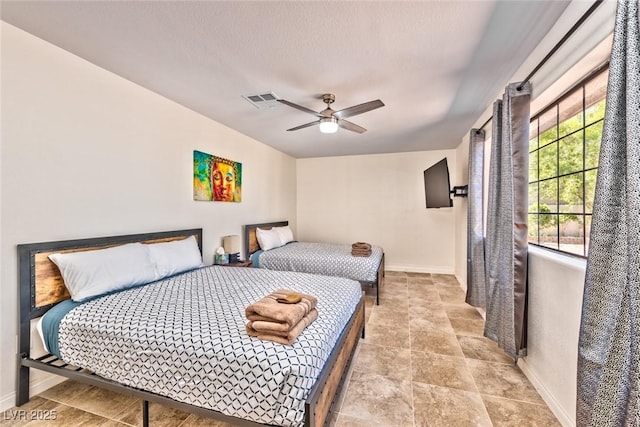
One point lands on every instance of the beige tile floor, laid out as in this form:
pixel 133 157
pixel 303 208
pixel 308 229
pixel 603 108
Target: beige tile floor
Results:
pixel 424 362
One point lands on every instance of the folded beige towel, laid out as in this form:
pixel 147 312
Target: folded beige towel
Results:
pixel 361 249
pixel 268 309
pixel 363 254
pixel 361 245
pixel 268 330
pixel 276 328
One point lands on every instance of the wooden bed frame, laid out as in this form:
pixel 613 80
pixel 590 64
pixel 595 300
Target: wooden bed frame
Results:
pixel 41 287
pixel 251 245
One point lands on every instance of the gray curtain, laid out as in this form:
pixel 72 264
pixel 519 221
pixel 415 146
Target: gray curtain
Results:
pixel 506 240
pixel 476 292
pixel 609 345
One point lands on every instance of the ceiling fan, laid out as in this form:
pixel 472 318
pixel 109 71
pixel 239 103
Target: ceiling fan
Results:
pixel 329 120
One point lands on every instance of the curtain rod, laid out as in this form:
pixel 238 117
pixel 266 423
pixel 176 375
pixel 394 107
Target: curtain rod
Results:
pixel 569 33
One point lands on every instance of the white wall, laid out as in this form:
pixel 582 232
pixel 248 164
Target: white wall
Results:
pixel 556 285
pixel 86 153
pixel 555 281
pixel 378 199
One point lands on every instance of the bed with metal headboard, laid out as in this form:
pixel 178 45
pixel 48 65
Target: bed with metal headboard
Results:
pixel 329 259
pixel 41 288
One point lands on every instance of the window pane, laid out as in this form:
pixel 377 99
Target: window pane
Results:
pixel 571 193
pixel 589 189
pixel 596 111
pixel 533 197
pixel 533 166
pixel 593 135
pixel 533 135
pixel 548 161
pixel 532 230
pixel 549 230
pixel 570 112
pixel 548 196
pixel 572 234
pixel 548 124
pixel 570 153
pixel 595 93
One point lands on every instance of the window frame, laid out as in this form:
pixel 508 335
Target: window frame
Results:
pixel 555 104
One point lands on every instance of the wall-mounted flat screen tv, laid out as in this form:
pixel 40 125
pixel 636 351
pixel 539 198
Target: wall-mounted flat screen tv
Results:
pixel 437 188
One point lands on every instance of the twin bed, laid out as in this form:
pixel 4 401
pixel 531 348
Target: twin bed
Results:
pixel 327 259
pixel 180 340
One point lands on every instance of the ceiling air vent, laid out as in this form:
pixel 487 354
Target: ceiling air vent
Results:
pixel 263 100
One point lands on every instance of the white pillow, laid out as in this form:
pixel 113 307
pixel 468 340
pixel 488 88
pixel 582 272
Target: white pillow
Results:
pixel 175 257
pixel 285 233
pixel 268 239
pixel 92 273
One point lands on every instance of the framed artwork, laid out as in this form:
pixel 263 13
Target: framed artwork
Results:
pixel 216 178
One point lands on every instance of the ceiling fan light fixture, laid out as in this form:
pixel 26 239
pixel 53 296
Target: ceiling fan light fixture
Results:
pixel 328 125
pixel 329 120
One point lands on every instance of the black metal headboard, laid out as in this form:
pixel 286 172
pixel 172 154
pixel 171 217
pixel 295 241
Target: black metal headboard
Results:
pixel 40 285
pixel 250 239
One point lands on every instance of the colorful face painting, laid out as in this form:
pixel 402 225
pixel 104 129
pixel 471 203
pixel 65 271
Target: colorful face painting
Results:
pixel 215 178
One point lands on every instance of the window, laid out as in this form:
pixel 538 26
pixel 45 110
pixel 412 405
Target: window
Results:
pixel 564 145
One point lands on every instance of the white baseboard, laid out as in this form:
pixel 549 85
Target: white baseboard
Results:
pixel 419 269
pixel 565 419
pixel 7 401
pixel 46 382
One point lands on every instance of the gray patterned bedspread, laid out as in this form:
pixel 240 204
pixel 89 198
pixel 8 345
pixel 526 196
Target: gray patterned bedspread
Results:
pixel 184 337
pixel 330 259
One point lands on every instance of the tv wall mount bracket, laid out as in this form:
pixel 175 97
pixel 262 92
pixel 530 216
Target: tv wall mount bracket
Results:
pixel 460 190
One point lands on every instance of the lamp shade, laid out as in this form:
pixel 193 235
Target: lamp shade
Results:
pixel 231 244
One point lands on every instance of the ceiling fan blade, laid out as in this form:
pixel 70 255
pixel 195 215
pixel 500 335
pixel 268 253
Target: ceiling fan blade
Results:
pixel 345 124
pixel 300 107
pixel 306 125
pixel 358 109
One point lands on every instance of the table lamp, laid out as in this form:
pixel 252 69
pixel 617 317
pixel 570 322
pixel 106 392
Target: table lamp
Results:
pixel 231 246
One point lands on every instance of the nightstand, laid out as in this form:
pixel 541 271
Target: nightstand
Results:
pixel 238 264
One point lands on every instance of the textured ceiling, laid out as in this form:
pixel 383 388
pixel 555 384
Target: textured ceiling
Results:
pixel 435 64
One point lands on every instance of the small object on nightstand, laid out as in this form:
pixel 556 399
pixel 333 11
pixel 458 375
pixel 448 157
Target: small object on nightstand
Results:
pixel 232 247
pixel 220 257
